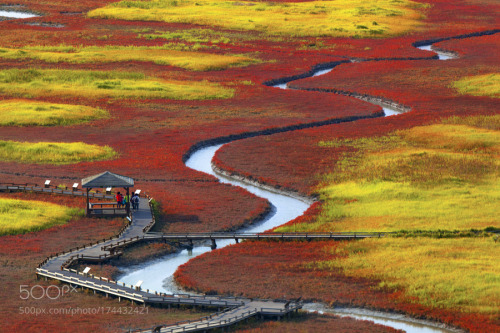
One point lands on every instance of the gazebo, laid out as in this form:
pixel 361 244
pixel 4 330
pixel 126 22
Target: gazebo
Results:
pixel 105 180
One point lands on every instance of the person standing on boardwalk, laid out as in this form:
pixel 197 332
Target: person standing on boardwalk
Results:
pixel 126 200
pixel 136 201
pixel 133 201
pixel 132 198
pixel 119 199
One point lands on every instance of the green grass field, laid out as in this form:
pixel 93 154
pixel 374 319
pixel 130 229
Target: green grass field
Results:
pixel 425 178
pixel 53 152
pixel 195 61
pixel 21 112
pixel 343 18
pixel 481 85
pixel 21 216
pixel 28 83
pixel 460 274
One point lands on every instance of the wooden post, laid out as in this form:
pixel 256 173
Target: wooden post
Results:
pixel 87 208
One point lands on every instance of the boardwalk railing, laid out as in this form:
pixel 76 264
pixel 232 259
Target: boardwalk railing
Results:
pixel 115 288
pixel 210 324
pixel 153 218
pixel 104 288
pixel 104 240
pixel 212 321
pixel 52 189
pixel 183 323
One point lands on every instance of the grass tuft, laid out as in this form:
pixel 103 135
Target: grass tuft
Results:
pixel 34 113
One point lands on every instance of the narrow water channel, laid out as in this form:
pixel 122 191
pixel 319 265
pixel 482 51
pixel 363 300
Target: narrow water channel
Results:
pixel 16 15
pixel 158 274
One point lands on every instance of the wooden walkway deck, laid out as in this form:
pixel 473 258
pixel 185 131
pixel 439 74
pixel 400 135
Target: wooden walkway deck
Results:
pixel 237 309
pixel 57 266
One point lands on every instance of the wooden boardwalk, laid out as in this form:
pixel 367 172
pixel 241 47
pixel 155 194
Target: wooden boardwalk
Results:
pixel 57 266
pixel 236 309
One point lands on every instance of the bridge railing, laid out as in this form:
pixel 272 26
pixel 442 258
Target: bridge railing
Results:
pixel 150 236
pixel 249 235
pixel 80 257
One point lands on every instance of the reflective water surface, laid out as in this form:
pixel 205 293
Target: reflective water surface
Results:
pixel 394 320
pixel 14 14
pixel 441 55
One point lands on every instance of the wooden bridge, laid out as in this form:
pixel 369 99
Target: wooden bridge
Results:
pixel 191 237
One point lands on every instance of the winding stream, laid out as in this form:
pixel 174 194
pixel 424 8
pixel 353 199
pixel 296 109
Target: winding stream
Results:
pixel 158 274
pixel 16 15
pixel 285 208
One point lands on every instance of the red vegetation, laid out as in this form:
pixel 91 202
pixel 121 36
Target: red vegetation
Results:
pixel 20 255
pixel 152 137
pixel 295 159
pixel 279 270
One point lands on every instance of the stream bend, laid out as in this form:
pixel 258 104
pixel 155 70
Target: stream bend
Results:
pixel 286 207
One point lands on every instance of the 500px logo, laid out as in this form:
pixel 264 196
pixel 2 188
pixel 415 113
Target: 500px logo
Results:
pixel 39 292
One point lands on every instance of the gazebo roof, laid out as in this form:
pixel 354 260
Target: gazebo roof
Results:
pixel 107 179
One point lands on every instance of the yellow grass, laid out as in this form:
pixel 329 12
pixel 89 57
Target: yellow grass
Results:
pixel 459 274
pixel 190 35
pixel 425 178
pixel 21 216
pixel 53 152
pixel 17 112
pixel 100 84
pixel 359 18
pixel 480 85
pixel 195 61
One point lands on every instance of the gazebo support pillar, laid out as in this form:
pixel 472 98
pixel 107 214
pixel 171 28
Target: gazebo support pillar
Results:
pixel 127 204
